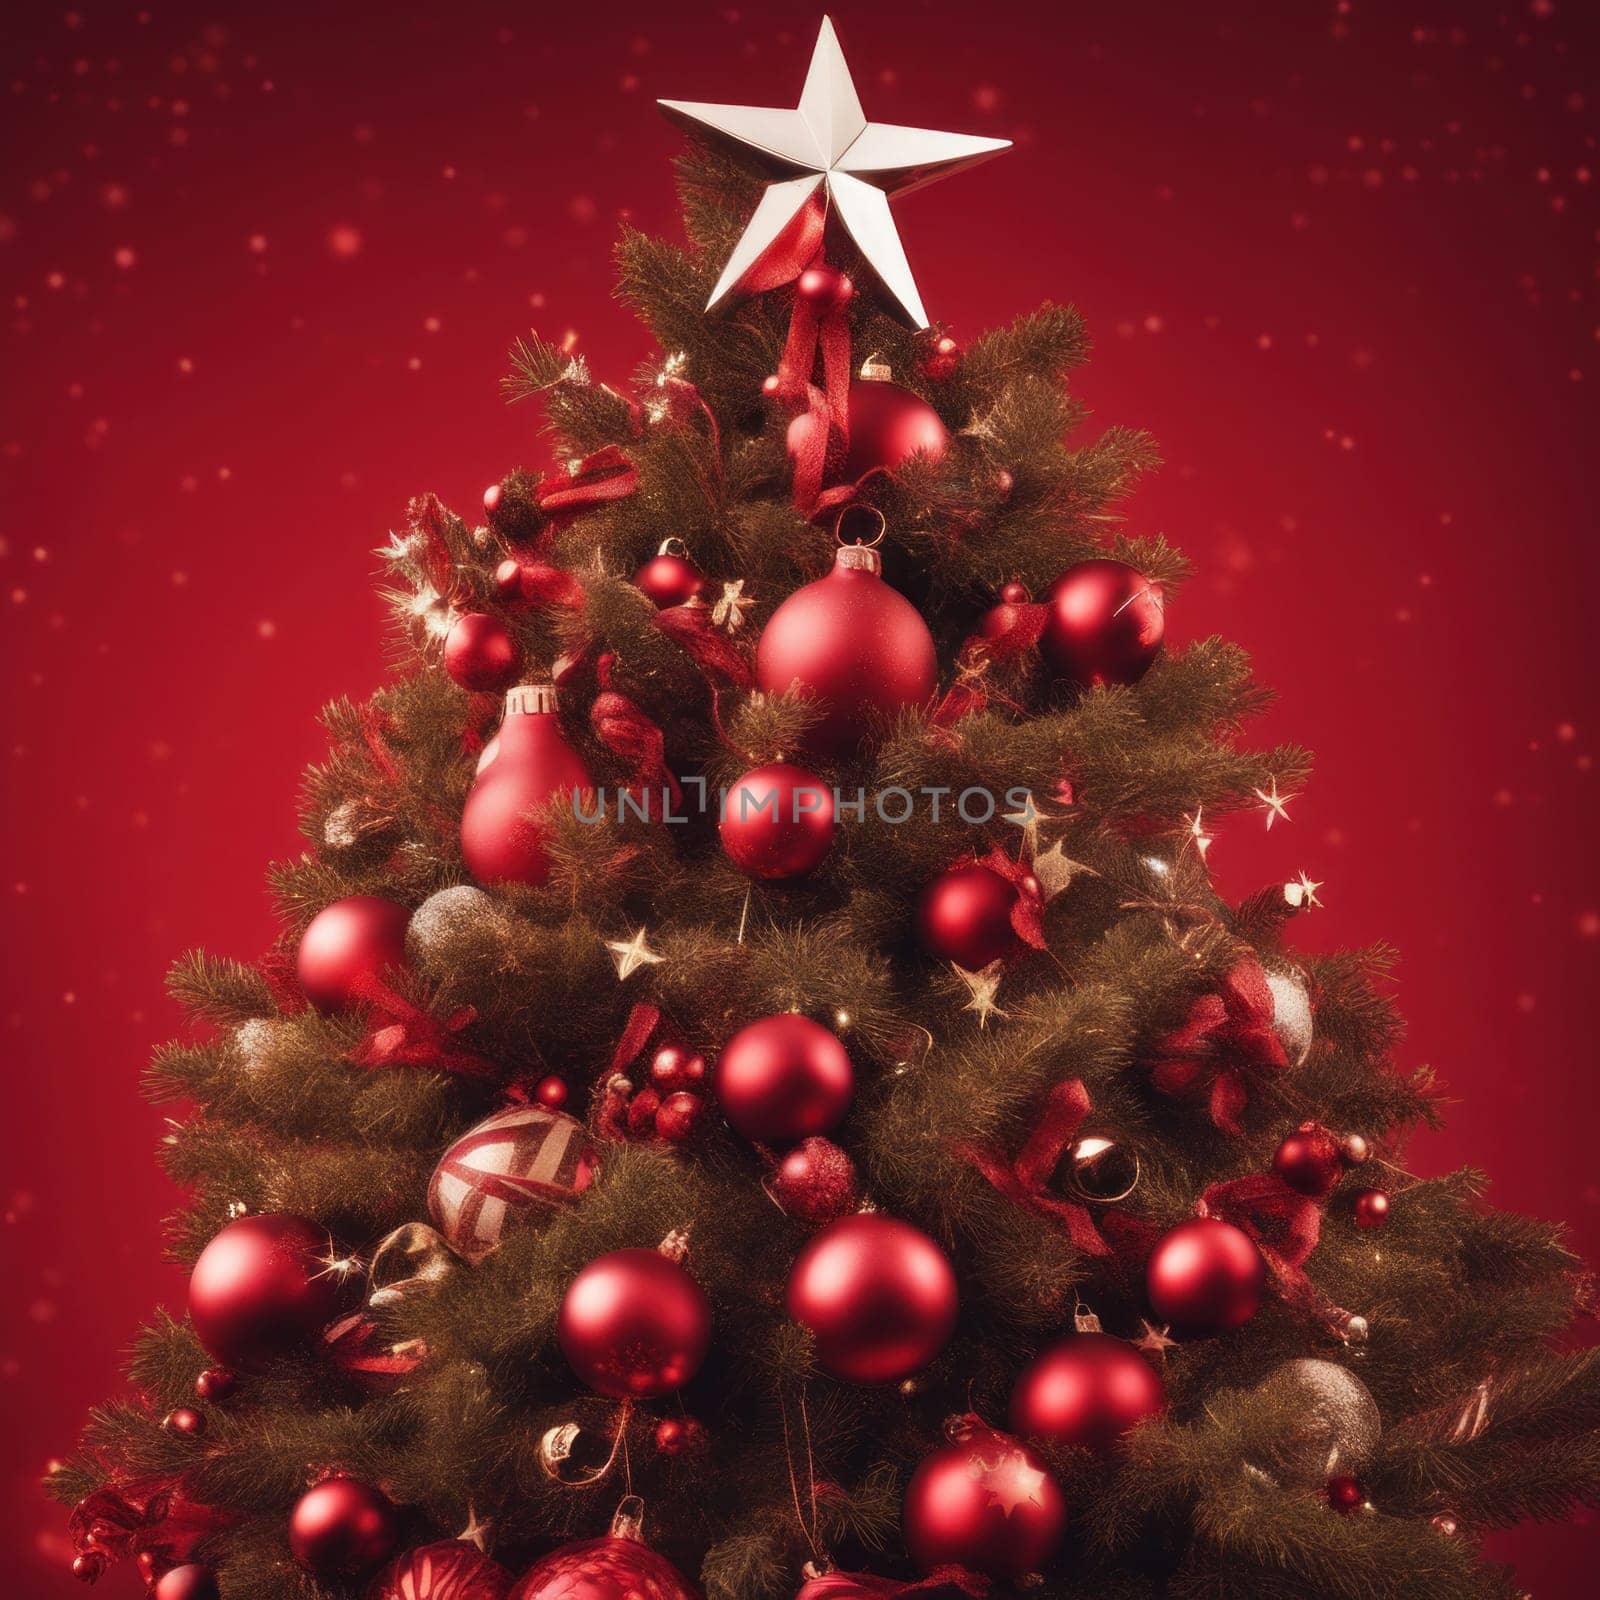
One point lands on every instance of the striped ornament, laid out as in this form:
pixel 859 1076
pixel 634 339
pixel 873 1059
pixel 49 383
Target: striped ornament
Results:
pixel 451 1570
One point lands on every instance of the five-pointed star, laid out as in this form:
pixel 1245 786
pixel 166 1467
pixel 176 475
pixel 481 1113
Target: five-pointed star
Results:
pixel 475 1532
pixel 631 954
pixel 729 611
pixel 826 153
pixel 1302 894
pixel 1154 1341
pixel 1275 805
pixel 1028 819
pixel 1013 1483
pixel 1055 870
pixel 983 987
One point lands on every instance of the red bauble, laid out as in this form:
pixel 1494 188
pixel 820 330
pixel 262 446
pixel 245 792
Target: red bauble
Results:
pixel 676 1066
pixel 984 1501
pixel 634 1324
pixel 1345 1494
pixel 359 937
pixel 1105 624
pixel 888 425
pixel 449 1570
pixel 778 822
pixel 533 762
pixel 215 1383
pixel 1088 1391
pixel 552 1092
pixel 1309 1160
pixel 191 1581
pixel 341 1527
pixel 850 1586
pixel 964 916
pixel 261 1288
pixel 784 1078
pixel 514 1167
pixel 669 577
pixel 1205 1277
pixel 854 645
pixel 878 1294
pixel 480 654
pixel 185 1420
pixel 941 361
pixel 1370 1208
pixel 1014 594
pixel 681 1436
pixel 826 288
pixel 816 1182
pixel 612 1568
pixel 680 1117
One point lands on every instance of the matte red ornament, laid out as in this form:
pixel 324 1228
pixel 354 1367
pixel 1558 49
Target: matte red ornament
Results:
pixel 778 821
pixel 825 287
pixel 1345 1494
pixel 1309 1161
pixel 878 1294
pixel 1370 1208
pixel 784 1078
pixel 1105 624
pixel 854 645
pixel 669 577
pixel 261 1288
pixel 480 654
pixel 1087 1391
pixel 358 937
pixel 634 1324
pixel 986 1502
pixel 816 1182
pixel 676 1066
pixel 342 1527
pixel 1205 1277
pixel 215 1383
pixel 613 1568
pixel 191 1581
pixel 449 1570
pixel 680 1116
pixel 888 425
pixel 500 841
pixel 513 1168
pixel 964 916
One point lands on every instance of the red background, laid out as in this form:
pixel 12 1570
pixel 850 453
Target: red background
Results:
pixel 259 272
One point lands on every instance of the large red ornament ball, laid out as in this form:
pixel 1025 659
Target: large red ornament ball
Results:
pixel 984 1501
pixel 878 1294
pixel 1205 1277
pixel 778 821
pixel 612 1568
pixel 669 578
pixel 512 1168
pixel 480 654
pixel 533 762
pixel 854 645
pixel 816 1181
pixel 634 1324
pixel 964 916
pixel 889 425
pixel 191 1581
pixel 1309 1161
pixel 358 937
pixel 342 1527
pixel 261 1288
pixel 784 1078
pixel 450 1570
pixel 1105 624
pixel 1088 1391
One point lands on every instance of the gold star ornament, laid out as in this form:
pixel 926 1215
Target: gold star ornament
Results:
pixel 631 954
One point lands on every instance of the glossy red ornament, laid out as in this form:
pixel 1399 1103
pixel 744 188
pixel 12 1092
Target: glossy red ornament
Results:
pixel 533 763
pixel 1370 1208
pixel 878 1294
pixel 778 821
pixel 552 1092
pixel 1205 1277
pixel 342 1527
pixel 191 1581
pixel 984 1501
pixel 1087 1390
pixel 613 1568
pixel 480 654
pixel 89 1566
pixel 784 1078
pixel 449 1570
pixel 185 1420
pixel 825 287
pixel 358 937
pixel 1345 1494
pixel 857 647
pixel 964 916
pixel 1015 594
pixel 680 1117
pixel 941 361
pixel 676 1066
pixel 678 1436
pixel 669 577
pixel 888 425
pixel 816 1181
pixel 261 1288
pixel 634 1324
pixel 1105 624
pixel 1309 1161
pixel 215 1383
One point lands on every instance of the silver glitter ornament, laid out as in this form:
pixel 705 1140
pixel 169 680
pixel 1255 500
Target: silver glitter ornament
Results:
pixel 1291 1014
pixel 445 918
pixel 1332 1426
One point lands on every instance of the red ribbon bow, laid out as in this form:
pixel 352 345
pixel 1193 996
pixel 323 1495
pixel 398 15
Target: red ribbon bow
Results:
pixel 413 1038
pixel 827 409
pixel 147 1515
pixel 1027 910
pixel 1226 1037
pixel 605 475
pixel 1009 633
pixel 622 726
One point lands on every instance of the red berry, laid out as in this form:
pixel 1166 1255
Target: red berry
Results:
pixel 1345 1494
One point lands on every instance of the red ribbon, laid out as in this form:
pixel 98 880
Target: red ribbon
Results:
pixel 1226 1038
pixel 622 726
pixel 1027 910
pixel 605 475
pixel 690 628
pixel 826 409
pixel 427 517
pixel 357 1347
pixel 943 1583
pixel 148 1515
pixel 1022 1180
pixel 1011 631
pixel 413 1038
pixel 541 584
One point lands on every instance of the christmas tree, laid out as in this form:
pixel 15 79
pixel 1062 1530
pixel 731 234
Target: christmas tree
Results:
pixel 757 1095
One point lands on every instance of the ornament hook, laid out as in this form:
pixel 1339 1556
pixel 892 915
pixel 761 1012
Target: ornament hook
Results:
pixel 871 511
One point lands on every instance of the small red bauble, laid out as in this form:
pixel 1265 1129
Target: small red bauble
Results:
pixel 878 1294
pixel 1088 1391
pixel 1345 1494
pixel 551 1092
pixel 532 764
pixel 964 916
pixel 676 1066
pixel 1105 624
pixel 680 1116
pixel 634 1324
pixel 449 1570
pixel 984 1501
pixel 852 644
pixel 941 361
pixel 778 821
pixel 191 1581
pixel 1309 1160
pixel 1015 594
pixel 508 581
pixel 215 1383
pixel 1205 1277
pixel 784 1078
pixel 816 1182
pixel 261 1288
pixel 669 577
pixel 888 425
pixel 1370 1208
pixel 826 288
pixel 341 1527
pixel 491 498
pixel 89 1566
pixel 678 1436
pixel 362 936
pixel 185 1420
pixel 612 1568
pixel 480 654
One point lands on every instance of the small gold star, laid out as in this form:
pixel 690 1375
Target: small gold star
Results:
pixel 1055 870
pixel 1274 804
pixel 983 987
pixel 632 954
pixel 1202 840
pixel 1302 894
pixel 475 1532
pixel 729 611
pixel 1154 1341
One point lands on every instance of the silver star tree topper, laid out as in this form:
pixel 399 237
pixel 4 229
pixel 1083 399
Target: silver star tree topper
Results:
pixel 826 153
